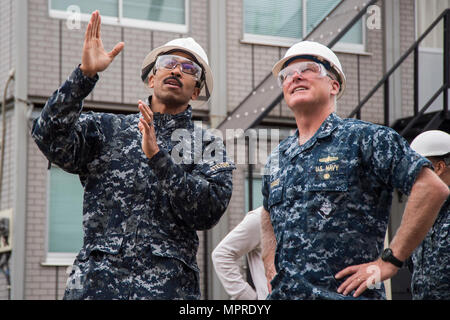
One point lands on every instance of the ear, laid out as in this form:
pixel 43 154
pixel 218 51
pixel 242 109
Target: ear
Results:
pixel 335 86
pixel 151 80
pixel 195 94
pixel 439 167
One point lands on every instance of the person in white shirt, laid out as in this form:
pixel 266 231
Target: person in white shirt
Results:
pixel 244 239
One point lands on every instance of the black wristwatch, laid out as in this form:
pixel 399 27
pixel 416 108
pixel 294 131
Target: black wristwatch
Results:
pixel 388 256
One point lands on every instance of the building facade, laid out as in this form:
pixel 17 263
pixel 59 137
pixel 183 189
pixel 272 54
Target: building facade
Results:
pixel 42 41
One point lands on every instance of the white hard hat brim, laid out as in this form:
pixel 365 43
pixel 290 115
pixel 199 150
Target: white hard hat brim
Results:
pixel 207 88
pixel 432 143
pixel 342 80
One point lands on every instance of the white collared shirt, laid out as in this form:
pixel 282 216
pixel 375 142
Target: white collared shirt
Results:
pixel 245 238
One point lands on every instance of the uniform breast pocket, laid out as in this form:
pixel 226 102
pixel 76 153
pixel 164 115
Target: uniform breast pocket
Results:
pixel 327 197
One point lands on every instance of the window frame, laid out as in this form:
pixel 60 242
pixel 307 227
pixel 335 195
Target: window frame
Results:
pixel 344 47
pixel 130 22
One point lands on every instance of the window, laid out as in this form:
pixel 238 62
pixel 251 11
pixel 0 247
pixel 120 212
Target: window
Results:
pixel 65 215
pixel 164 15
pixel 285 22
pixel 256 192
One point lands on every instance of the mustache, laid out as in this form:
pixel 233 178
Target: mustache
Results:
pixel 173 78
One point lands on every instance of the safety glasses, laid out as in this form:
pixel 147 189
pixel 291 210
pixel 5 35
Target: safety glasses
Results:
pixel 305 69
pixel 187 66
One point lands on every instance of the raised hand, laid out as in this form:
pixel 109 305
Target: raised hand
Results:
pixel 95 58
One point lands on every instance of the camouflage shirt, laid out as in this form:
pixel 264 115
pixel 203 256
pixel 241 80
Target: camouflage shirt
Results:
pixel 329 203
pixel 431 260
pixel 140 215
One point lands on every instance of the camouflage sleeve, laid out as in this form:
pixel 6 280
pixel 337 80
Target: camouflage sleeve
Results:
pixel 393 161
pixel 64 136
pixel 198 198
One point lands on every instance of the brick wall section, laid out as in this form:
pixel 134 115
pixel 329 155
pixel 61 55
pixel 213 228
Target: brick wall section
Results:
pixel 40 282
pixel 6 39
pixel 408 36
pixel 137 44
pixel 7 57
pixel 44 50
pixel 6 200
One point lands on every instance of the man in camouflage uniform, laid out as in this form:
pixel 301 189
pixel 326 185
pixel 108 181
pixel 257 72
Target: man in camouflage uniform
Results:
pixel 141 208
pixel 431 260
pixel 328 189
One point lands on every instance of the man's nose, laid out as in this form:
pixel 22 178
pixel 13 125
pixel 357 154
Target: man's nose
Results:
pixel 298 75
pixel 177 70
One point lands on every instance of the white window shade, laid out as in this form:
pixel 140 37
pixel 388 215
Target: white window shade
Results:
pixel 169 11
pixel 65 232
pixel 164 15
pixel 286 22
pixel 281 18
pixel 317 11
pixel 108 8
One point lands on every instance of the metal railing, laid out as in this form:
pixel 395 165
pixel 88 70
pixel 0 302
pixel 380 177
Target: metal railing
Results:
pixel 414 48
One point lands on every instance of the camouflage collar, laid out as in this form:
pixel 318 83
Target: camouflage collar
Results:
pixel 291 147
pixel 179 120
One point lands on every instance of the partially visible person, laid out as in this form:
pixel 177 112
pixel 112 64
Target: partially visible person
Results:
pixel 244 239
pixel 431 259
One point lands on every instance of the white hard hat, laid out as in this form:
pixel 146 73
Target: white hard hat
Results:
pixel 432 143
pixel 314 51
pixel 190 46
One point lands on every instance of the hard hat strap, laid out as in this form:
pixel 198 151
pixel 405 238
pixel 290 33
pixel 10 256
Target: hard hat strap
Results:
pixel 325 63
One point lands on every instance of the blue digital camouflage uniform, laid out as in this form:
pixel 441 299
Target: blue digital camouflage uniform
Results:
pixel 431 261
pixel 329 203
pixel 140 216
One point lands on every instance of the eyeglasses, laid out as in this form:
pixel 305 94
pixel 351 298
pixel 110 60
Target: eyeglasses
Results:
pixel 306 69
pixel 187 66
